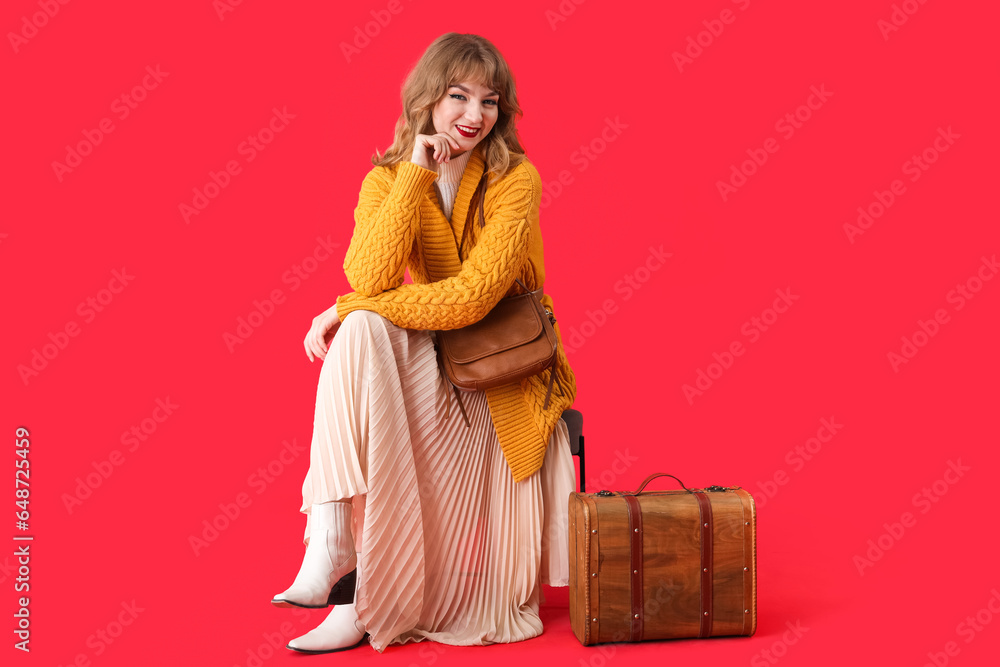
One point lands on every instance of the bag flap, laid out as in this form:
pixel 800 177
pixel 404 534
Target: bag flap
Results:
pixel 513 322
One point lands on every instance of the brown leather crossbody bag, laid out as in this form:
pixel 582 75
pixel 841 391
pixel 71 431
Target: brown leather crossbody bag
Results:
pixel 515 340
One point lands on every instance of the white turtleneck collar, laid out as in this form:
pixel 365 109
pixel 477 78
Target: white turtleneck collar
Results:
pixel 448 180
pixel 452 170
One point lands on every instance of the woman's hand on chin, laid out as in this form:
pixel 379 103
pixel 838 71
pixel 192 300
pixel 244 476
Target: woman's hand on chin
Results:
pixel 430 150
pixel 324 328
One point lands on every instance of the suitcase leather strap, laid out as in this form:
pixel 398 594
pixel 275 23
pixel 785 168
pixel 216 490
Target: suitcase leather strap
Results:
pixel 593 555
pixel 705 512
pixel 635 565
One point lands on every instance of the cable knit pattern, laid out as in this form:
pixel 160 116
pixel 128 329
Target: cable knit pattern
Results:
pixel 399 223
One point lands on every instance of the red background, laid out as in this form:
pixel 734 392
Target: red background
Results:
pixel 655 184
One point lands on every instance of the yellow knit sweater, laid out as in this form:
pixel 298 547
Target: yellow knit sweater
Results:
pixel 399 224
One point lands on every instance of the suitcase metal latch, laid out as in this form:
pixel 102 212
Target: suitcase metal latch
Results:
pixel 604 492
pixel 716 487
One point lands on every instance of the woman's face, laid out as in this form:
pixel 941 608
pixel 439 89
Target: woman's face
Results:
pixel 467 112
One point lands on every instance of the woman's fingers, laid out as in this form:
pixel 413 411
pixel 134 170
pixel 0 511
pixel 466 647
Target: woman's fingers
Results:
pixel 443 145
pixel 326 336
pixel 324 327
pixel 433 148
pixel 448 142
pixel 312 349
pixel 309 346
pixel 319 343
pixel 307 341
pixel 316 350
pixel 305 344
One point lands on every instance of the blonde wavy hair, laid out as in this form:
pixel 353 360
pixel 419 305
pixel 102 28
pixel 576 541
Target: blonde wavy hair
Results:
pixel 450 59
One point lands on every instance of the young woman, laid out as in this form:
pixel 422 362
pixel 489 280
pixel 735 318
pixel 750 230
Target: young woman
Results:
pixel 420 525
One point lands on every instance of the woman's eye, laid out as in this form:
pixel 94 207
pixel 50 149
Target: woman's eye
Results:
pixel 459 96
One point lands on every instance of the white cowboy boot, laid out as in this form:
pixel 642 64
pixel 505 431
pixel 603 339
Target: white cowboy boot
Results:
pixel 339 631
pixel 327 575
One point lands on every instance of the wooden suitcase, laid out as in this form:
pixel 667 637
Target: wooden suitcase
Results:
pixel 662 564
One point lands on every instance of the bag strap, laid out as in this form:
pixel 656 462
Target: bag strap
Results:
pixel 553 379
pixel 538 293
pixel 553 375
pixel 461 407
pixel 478 202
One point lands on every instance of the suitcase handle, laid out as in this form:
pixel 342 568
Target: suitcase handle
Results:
pixel 660 474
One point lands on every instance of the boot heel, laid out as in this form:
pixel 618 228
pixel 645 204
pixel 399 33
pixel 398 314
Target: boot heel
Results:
pixel 343 591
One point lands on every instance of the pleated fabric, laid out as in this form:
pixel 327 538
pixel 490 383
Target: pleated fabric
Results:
pixel 451 548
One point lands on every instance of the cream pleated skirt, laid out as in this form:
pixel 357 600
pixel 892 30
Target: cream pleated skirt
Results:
pixel 450 548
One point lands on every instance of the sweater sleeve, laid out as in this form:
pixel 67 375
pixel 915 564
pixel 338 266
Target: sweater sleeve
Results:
pixel 385 225
pixel 486 275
